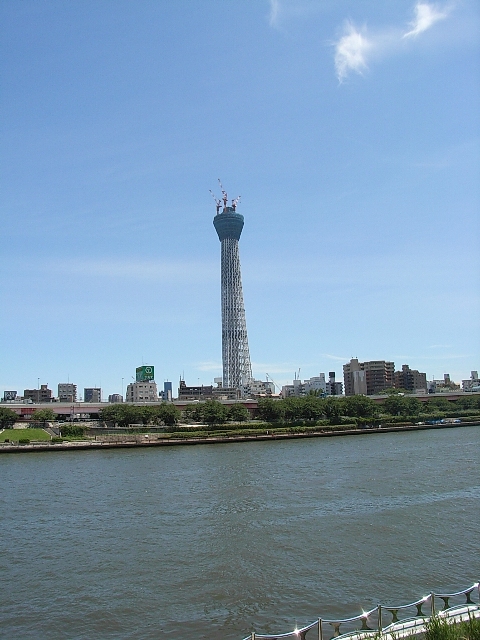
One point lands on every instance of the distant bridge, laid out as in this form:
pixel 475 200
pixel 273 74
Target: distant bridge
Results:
pixel 390 622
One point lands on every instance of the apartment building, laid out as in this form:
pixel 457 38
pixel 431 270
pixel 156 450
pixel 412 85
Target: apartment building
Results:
pixel 92 394
pixel 367 378
pixel 142 392
pixel 410 379
pixel 44 394
pixel 67 392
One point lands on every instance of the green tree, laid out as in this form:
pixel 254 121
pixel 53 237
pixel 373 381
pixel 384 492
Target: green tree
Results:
pixel 334 408
pixel 195 411
pixel 7 418
pixel 413 406
pixel 312 407
pixel 360 407
pixel 44 416
pixel 440 404
pixel 189 413
pixel 270 410
pixel 238 412
pixel 123 415
pixel 318 393
pixel 395 405
pixel 146 414
pixel 110 413
pixel 466 403
pixel 214 412
pixel 293 409
pixel 165 413
pixel 393 391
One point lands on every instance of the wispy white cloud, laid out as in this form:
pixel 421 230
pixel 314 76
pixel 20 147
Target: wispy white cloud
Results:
pixel 283 11
pixel 356 47
pixel 336 358
pixel 133 268
pixel 440 346
pixel 426 15
pixel 351 52
pixel 274 14
pixel 209 366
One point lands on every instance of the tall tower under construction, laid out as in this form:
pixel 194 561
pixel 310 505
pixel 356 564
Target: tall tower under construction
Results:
pixel 237 369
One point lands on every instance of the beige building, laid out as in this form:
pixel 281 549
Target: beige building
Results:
pixel 142 392
pixel 367 378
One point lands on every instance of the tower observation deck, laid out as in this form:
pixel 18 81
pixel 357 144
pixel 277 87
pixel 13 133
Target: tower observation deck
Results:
pixel 237 369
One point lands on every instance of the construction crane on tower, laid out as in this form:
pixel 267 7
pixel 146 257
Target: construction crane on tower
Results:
pixel 217 202
pixel 272 380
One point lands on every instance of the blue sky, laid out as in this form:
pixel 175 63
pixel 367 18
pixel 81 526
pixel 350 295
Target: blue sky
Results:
pixel 349 127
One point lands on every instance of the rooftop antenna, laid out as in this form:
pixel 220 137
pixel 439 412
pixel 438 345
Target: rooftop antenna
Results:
pixel 217 202
pixel 224 194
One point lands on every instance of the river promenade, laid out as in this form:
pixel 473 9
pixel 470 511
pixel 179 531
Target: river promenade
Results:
pixel 128 441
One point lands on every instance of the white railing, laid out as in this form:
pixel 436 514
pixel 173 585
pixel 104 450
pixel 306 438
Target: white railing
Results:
pixel 389 621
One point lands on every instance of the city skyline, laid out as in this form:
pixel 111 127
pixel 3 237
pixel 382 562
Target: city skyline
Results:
pixel 351 129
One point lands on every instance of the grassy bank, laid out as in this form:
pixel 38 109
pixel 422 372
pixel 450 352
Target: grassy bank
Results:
pixel 442 629
pixel 17 435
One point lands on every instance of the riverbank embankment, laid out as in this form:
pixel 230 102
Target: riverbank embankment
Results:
pixel 129 441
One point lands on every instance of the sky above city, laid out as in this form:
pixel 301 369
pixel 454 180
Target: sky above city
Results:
pixel 350 128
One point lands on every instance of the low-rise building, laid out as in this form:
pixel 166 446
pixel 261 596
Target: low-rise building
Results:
pixel 261 388
pixel 115 397
pixel 199 392
pixel 226 393
pixel 92 394
pixel 333 388
pixel 473 384
pixel 442 386
pixel 142 392
pixel 317 385
pixel 44 394
pixel 410 379
pixel 67 392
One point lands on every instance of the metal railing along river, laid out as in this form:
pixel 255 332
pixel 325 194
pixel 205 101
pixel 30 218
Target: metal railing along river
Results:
pixel 390 622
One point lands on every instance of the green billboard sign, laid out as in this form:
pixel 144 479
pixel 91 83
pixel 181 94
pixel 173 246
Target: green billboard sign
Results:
pixel 145 373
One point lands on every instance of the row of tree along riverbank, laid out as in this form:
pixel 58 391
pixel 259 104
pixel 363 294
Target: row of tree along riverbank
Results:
pixel 308 410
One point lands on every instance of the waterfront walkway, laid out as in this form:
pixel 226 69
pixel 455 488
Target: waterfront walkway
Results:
pixel 390 622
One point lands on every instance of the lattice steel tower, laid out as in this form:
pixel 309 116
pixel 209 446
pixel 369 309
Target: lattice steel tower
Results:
pixel 237 369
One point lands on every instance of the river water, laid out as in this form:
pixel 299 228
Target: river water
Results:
pixel 214 541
